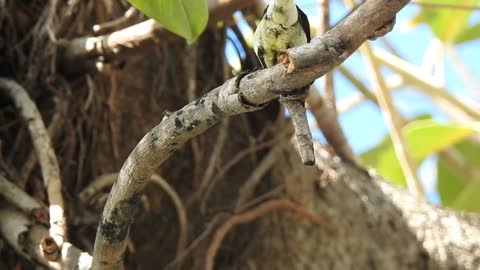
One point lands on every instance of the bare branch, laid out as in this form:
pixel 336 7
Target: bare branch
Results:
pixel 53 128
pixel 425 83
pixel 298 114
pixel 392 118
pixel 251 215
pixel 25 237
pixel 17 197
pixel 252 182
pixel 46 155
pixel 328 83
pixel 216 155
pixel 205 192
pixel 307 63
pixel 130 14
pixel 80 52
pixel 106 180
pixel 328 122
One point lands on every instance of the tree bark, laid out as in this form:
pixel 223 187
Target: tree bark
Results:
pixel 372 224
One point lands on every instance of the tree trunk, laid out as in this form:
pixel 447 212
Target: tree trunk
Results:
pixel 371 224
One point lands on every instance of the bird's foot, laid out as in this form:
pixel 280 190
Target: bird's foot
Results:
pixel 385 29
pixel 241 98
pixel 294 94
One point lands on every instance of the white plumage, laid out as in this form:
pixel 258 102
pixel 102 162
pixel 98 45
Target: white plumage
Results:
pixel 283 26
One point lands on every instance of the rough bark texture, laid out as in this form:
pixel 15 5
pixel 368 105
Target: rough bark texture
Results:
pixel 371 225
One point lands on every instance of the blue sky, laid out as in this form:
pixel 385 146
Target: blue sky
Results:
pixel 412 43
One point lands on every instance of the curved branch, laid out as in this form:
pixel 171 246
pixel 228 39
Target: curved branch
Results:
pixel 107 180
pixel 46 155
pixel 252 215
pixel 306 64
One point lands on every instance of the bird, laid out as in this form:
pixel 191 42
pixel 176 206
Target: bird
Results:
pixel 283 26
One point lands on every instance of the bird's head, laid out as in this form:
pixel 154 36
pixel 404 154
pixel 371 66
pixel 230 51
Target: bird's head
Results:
pixel 281 3
pixel 283 12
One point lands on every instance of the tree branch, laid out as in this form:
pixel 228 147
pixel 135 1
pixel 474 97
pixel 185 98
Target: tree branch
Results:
pixel 307 63
pixel 392 118
pixel 81 52
pixel 107 180
pixel 46 155
pixel 17 197
pixel 25 236
pixel 425 83
pixel 251 215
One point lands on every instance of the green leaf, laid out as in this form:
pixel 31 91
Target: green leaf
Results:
pixel 423 137
pixel 468 34
pixel 446 23
pixel 451 183
pixel 187 18
pixel 469 199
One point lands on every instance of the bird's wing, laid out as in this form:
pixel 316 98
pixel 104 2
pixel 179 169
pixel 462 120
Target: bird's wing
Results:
pixel 260 51
pixel 260 54
pixel 303 19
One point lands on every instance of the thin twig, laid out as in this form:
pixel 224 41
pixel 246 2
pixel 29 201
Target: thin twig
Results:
pixel 46 155
pixel 424 82
pixel 176 263
pixel 262 198
pixel 197 157
pixel 248 189
pixel 105 27
pixel 190 66
pixel 392 118
pixel 325 109
pixel 298 115
pixel 215 156
pixel 114 118
pixel 394 83
pixel 463 70
pixel 253 214
pixel 328 122
pixel 389 46
pixel 328 83
pixel 449 155
pixel 356 82
pixel 238 157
